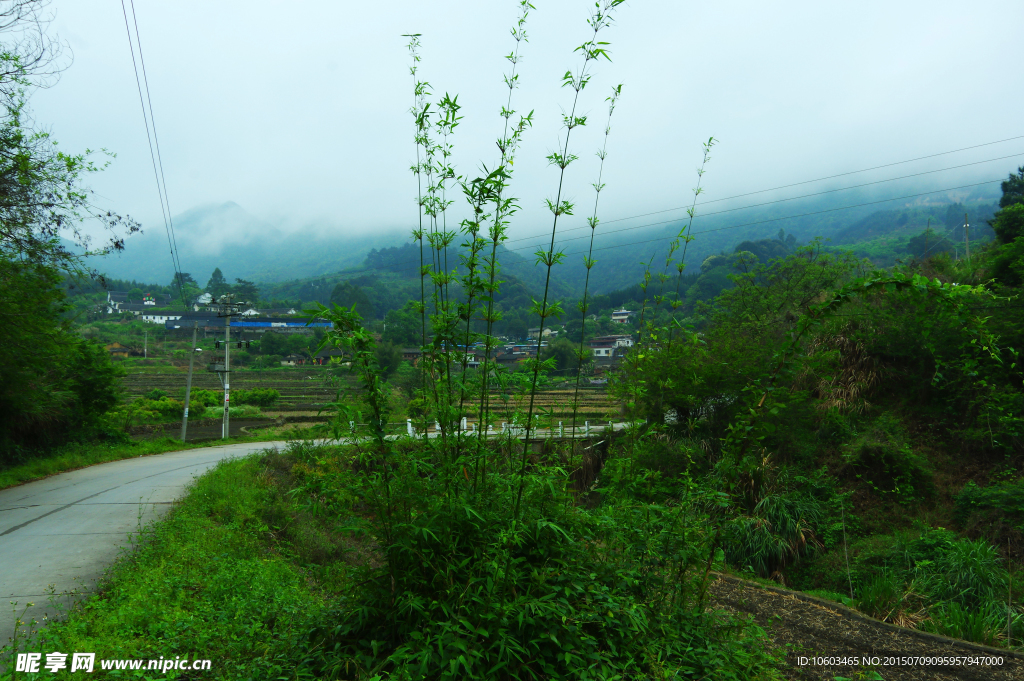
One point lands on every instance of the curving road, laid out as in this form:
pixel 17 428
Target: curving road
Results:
pixel 65 530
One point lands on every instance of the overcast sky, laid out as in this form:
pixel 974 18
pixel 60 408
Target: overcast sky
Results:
pixel 298 111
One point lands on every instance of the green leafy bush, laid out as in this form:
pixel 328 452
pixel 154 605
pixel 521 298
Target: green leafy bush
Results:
pixel 199 399
pixel 985 624
pixel 1000 502
pixel 882 596
pixel 257 397
pixel 779 532
pixel 468 592
pixel 882 457
pixel 243 411
pixel 963 571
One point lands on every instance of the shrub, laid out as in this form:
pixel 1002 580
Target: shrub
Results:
pixel 258 397
pixel 883 458
pixel 155 394
pixel 163 408
pixel 882 597
pixel 966 572
pixel 1009 223
pixel 779 532
pixel 204 398
pixel 467 592
pixel 1000 502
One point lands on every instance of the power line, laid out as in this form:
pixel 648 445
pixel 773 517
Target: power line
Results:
pixel 158 174
pixel 822 179
pixel 156 141
pixel 768 203
pixel 761 191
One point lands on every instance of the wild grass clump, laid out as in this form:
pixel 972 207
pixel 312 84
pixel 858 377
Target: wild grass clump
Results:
pixel 564 592
pixel 933 580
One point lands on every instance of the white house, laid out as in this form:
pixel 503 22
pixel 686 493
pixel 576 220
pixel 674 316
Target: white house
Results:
pixel 622 316
pixel 159 317
pixel 609 346
pixel 203 302
pixel 602 347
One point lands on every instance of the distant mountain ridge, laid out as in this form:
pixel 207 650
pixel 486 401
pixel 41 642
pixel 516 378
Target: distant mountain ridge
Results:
pixel 243 246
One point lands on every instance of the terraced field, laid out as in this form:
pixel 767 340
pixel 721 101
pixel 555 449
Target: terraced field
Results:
pixel 595 403
pixel 303 389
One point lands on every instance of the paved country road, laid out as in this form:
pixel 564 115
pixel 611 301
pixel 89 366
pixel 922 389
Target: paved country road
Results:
pixel 65 530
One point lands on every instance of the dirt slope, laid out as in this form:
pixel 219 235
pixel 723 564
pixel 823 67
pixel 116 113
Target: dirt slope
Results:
pixel 809 627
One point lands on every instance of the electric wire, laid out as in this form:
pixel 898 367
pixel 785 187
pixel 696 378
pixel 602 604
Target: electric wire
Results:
pixel 792 198
pixel 761 191
pixel 159 157
pixel 822 179
pixel 157 168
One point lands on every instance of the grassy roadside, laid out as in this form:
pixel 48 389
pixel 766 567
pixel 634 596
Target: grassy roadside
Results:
pixel 80 455
pixel 266 559
pixel 238 573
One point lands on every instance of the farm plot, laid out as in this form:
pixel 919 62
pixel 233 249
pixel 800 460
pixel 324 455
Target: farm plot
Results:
pixel 302 388
pixel 305 389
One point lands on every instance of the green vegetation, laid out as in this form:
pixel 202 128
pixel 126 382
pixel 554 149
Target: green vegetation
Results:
pixel 234 527
pixel 790 411
pixel 54 386
pixel 77 455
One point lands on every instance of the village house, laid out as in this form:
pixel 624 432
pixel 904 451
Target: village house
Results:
pixel 622 316
pixel 160 316
pixel 118 350
pixel 610 346
pixel 602 348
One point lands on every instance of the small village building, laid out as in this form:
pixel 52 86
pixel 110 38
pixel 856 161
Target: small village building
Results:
pixel 602 348
pixel 326 355
pixel 160 317
pixel 622 316
pixel 118 350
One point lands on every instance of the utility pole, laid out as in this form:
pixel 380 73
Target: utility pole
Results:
pixel 227 369
pixel 145 344
pixel 188 383
pixel 967 236
pixel 223 371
